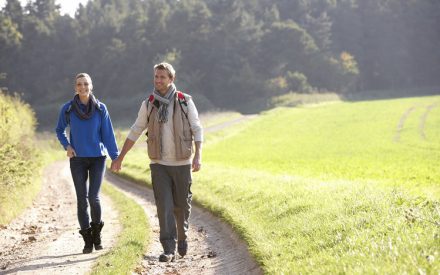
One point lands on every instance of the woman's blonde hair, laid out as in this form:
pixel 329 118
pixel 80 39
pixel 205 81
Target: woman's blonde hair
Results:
pixel 87 76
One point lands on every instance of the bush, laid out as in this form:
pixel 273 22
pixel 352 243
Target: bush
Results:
pixel 17 149
pixel 17 120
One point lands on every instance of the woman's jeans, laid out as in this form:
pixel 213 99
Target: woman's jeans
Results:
pixel 83 168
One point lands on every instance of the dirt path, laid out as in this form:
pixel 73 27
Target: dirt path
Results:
pixel 223 125
pixel 213 246
pixel 45 238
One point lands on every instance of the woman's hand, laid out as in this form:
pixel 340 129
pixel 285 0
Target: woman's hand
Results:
pixel 70 151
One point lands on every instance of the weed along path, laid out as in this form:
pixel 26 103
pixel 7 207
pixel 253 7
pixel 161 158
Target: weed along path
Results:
pixel 45 238
pixel 213 246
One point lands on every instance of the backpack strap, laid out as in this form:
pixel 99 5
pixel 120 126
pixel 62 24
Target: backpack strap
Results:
pixel 183 102
pixel 149 106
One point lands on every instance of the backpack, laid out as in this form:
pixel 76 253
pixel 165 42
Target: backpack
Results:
pixel 69 110
pixel 183 103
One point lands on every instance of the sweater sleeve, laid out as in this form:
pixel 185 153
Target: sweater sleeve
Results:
pixel 194 121
pixel 107 133
pixel 140 124
pixel 61 127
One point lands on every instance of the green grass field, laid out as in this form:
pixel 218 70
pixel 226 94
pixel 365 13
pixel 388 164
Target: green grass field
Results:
pixel 332 188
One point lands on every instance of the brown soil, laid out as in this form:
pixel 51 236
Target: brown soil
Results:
pixel 45 238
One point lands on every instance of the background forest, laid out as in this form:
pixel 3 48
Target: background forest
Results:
pixel 228 54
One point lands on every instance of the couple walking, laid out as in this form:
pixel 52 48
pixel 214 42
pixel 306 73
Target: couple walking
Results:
pixel 172 123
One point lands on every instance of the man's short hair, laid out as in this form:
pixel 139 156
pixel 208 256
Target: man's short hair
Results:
pixel 167 67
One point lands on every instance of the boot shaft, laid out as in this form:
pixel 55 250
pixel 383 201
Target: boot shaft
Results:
pixel 96 234
pixel 88 239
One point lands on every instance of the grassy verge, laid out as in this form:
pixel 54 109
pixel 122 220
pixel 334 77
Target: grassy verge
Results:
pixel 328 188
pixel 18 197
pixel 19 160
pixel 303 225
pixel 133 240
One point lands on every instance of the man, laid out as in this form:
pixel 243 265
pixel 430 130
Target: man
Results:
pixel 172 121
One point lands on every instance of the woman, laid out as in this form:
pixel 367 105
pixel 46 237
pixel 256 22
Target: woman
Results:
pixel 91 136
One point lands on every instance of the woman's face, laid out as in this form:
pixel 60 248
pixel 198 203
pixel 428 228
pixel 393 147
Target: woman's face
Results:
pixel 83 87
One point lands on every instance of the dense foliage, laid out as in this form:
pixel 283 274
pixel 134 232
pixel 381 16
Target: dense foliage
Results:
pixel 227 53
pixel 17 125
pixel 17 156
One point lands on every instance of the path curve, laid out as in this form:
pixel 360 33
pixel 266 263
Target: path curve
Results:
pixel 214 248
pixel 44 239
pixel 229 123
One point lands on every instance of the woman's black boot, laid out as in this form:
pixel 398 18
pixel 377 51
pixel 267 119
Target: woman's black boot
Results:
pixel 88 241
pixel 96 234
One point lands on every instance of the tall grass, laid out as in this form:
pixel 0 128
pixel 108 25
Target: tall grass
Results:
pixel 18 159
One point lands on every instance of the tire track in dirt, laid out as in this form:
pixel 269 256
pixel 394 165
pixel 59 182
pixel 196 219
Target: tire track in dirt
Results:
pixel 214 248
pixel 402 123
pixel 423 119
pixel 45 238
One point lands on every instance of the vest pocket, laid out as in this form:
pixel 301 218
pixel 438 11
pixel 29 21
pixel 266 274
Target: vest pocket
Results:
pixel 186 145
pixel 153 147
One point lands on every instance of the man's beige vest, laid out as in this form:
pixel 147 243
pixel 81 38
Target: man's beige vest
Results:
pixel 182 133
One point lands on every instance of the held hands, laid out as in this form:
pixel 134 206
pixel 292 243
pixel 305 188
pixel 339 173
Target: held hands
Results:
pixel 116 165
pixel 70 151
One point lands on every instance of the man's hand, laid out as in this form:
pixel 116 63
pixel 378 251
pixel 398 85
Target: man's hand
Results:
pixel 196 163
pixel 197 160
pixel 70 151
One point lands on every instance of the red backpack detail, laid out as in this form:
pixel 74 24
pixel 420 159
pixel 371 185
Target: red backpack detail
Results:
pixel 182 102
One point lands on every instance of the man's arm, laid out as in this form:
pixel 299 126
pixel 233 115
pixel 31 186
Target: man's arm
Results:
pixel 117 163
pixel 136 130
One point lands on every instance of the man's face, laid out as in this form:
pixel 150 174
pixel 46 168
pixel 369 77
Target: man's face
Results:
pixel 162 81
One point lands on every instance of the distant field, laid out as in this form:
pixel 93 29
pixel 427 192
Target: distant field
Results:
pixel 331 188
pixel 342 140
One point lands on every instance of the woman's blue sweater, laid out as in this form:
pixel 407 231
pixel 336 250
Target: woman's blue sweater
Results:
pixel 93 137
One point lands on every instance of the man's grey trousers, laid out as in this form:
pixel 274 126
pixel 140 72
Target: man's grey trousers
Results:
pixel 172 192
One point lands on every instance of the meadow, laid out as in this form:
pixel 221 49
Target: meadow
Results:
pixel 340 187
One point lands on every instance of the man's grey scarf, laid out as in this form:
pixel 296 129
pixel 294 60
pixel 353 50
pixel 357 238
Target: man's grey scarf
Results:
pixel 164 101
